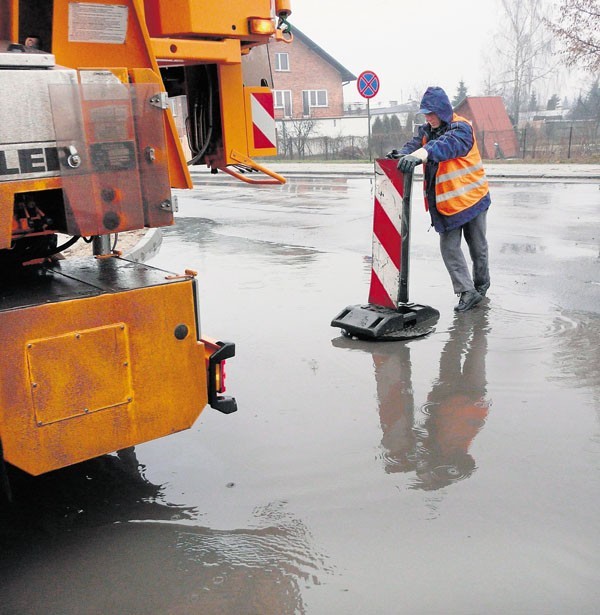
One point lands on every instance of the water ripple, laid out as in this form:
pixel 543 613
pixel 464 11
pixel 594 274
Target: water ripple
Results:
pixel 283 547
pixel 530 330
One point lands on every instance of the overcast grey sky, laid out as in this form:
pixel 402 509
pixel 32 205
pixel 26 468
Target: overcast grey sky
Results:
pixel 409 44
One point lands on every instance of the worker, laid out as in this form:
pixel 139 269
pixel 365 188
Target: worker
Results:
pixel 456 192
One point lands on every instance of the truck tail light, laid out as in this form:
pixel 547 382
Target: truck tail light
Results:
pixel 258 25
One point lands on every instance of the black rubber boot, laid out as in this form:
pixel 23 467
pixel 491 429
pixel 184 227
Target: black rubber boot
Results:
pixel 468 299
pixel 482 289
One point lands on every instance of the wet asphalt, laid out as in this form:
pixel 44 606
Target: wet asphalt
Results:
pixel 454 473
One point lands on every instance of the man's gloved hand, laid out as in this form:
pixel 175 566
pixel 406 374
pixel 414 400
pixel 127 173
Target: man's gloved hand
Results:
pixel 407 163
pixel 393 155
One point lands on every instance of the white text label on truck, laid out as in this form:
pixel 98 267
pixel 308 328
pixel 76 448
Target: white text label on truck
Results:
pixel 30 161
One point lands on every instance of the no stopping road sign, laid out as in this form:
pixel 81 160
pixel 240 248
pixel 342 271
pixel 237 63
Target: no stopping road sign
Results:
pixel 367 84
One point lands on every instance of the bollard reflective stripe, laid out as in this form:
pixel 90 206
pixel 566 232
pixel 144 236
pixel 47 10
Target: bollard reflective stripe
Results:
pixel 387 237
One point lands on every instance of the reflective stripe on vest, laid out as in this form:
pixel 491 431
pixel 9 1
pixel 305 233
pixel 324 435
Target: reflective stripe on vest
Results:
pixel 446 196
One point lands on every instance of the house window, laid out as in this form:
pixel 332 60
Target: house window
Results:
pixel 283 100
pixel 282 62
pixel 313 98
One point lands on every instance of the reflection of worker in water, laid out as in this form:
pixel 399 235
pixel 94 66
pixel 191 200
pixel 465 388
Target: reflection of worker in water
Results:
pixel 434 443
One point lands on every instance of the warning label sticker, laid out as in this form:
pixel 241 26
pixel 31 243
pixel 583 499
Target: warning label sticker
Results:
pixel 97 23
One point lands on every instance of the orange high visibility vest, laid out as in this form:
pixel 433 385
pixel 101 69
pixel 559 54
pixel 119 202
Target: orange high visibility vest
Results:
pixel 460 182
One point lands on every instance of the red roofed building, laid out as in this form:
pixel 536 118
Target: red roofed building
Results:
pixel 496 136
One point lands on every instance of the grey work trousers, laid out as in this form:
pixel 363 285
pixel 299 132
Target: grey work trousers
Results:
pixel 454 259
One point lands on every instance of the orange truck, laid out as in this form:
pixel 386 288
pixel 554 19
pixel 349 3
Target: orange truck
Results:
pixel 99 352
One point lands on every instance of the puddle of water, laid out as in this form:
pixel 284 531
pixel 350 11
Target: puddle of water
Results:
pixel 454 473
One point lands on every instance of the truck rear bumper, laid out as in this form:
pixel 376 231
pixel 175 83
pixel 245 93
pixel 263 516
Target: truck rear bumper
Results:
pixel 100 355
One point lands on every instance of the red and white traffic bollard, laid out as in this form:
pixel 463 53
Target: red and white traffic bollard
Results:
pixel 389 315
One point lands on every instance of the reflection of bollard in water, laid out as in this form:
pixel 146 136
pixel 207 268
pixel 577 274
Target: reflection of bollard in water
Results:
pixel 395 395
pixel 433 441
pixel 389 315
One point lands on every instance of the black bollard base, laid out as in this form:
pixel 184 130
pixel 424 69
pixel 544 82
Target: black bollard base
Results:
pixel 374 322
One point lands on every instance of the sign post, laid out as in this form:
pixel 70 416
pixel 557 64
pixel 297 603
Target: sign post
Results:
pixel 368 86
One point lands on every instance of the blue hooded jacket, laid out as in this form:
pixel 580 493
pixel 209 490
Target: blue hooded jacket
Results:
pixel 435 100
pixel 450 140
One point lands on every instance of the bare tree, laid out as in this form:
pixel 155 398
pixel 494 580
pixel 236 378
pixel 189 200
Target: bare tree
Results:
pixel 300 130
pixel 525 47
pixel 578 32
pixel 490 84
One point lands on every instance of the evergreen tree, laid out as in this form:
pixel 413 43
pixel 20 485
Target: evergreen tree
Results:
pixel 461 93
pixel 407 133
pixel 377 127
pixel 553 103
pixel 395 135
pixel 395 125
pixel 588 107
pixel 592 101
pixel 386 124
pixel 533 105
pixel 579 111
pixel 390 140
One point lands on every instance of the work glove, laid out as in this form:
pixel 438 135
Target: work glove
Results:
pixel 393 155
pixel 407 163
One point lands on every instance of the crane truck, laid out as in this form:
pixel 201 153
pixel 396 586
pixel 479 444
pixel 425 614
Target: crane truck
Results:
pixel 100 352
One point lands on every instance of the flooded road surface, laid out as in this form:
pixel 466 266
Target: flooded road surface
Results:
pixel 456 473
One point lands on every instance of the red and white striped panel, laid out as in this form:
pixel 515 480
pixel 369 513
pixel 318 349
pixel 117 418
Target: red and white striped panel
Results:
pixel 387 239
pixel 263 120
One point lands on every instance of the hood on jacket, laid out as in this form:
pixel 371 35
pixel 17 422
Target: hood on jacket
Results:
pixel 435 100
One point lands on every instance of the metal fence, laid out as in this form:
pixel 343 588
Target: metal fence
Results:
pixel 323 148
pixel 550 140
pixel 560 140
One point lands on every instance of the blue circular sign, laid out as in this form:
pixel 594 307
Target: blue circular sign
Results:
pixel 367 84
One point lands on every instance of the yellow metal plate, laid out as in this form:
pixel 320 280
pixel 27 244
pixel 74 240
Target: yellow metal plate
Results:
pixel 79 373
pixel 166 378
